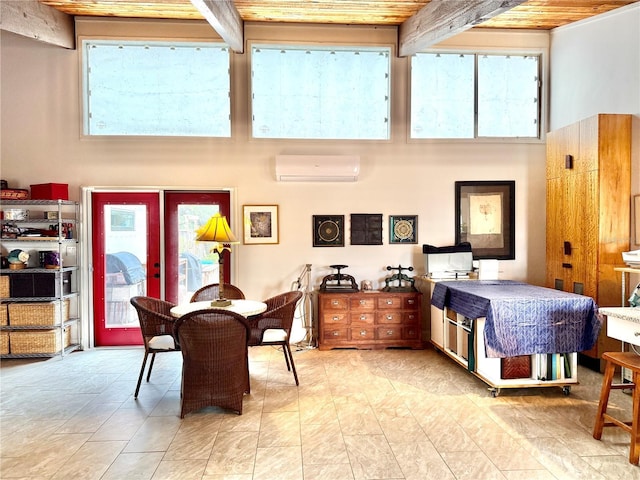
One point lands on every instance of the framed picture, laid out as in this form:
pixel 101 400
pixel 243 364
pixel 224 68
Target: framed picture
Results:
pixel 403 229
pixel 366 229
pixel 328 230
pixel 260 224
pixel 636 218
pixel 485 217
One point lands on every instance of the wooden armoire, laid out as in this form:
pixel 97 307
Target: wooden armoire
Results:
pixel 588 213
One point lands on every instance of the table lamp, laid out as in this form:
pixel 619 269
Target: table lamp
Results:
pixel 217 230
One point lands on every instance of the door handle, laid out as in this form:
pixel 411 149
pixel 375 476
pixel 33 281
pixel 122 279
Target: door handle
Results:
pixel 567 248
pixel 567 265
pixel 156 275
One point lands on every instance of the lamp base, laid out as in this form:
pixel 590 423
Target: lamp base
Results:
pixel 220 302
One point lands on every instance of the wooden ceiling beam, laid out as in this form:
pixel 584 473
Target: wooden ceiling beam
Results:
pixel 223 16
pixel 441 19
pixel 32 19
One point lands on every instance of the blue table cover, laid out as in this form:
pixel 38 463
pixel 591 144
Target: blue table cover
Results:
pixel 523 319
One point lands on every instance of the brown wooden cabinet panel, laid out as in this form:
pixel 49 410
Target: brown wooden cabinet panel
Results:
pixel 588 208
pixel 369 320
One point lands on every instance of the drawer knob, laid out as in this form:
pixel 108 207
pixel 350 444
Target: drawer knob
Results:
pixel 389 302
pixel 335 334
pixel 363 333
pixel 389 332
pixel 334 302
pixel 411 317
pixel 411 301
pixel 362 302
pixel 335 318
pixel 363 317
pixel 389 317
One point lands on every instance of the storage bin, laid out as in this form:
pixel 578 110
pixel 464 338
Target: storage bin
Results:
pixel 39 341
pixel 38 313
pixel 50 191
pixel 16 214
pixel 4 314
pixel 4 286
pixel 4 343
pixel 515 367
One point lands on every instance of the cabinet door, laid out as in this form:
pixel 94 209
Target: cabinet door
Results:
pixel 560 143
pixel 555 234
pixel 579 230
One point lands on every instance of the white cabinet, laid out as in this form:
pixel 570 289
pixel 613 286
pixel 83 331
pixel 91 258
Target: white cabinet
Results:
pixel 463 341
pixel 40 309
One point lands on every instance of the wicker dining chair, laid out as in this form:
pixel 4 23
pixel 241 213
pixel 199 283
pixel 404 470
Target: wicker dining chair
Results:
pixel 211 292
pixel 215 366
pixel 157 326
pixel 273 326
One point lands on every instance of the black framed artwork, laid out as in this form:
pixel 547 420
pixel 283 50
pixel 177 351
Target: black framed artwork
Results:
pixel 366 229
pixel 328 230
pixel 403 229
pixel 485 217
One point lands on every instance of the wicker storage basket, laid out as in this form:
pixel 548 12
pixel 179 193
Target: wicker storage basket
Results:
pixel 4 314
pixel 4 286
pixel 4 343
pixel 38 341
pixel 38 313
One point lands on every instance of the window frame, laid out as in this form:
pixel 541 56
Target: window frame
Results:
pixel 83 93
pixel 325 46
pixel 540 52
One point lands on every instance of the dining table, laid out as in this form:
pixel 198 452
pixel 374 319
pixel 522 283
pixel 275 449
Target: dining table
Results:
pixel 246 308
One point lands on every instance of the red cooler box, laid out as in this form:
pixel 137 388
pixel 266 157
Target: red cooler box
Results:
pixel 50 191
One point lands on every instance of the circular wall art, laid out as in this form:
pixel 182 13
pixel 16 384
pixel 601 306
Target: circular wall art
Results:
pixel 403 229
pixel 328 230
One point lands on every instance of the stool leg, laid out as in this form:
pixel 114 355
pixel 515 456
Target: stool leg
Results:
pixel 634 448
pixel 604 399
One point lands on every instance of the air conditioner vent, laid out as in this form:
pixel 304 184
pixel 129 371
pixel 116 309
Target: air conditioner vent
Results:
pixel 317 168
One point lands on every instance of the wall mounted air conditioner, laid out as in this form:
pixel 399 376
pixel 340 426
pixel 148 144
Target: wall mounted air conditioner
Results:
pixel 317 168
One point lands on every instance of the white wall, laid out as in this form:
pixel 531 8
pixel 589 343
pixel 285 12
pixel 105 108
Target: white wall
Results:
pixel 41 142
pixel 595 68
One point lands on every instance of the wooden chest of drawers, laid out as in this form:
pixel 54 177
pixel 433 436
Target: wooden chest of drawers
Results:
pixel 369 320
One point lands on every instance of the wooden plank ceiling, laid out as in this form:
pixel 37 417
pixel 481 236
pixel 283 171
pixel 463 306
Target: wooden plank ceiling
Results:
pixel 531 14
pixel 420 23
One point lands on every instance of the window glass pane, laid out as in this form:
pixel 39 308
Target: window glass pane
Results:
pixel 320 93
pixel 442 95
pixel 507 96
pixel 125 238
pixel 156 88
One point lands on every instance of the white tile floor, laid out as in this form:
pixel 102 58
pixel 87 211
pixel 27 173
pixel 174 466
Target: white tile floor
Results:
pixel 394 414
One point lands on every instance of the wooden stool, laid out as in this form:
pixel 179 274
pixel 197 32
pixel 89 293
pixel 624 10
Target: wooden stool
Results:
pixel 631 361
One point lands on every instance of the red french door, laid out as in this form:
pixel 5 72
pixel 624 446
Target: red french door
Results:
pixel 127 254
pixel 126 261
pixel 190 264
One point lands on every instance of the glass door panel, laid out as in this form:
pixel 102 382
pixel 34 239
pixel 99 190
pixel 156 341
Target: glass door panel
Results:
pixel 191 264
pixel 126 262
